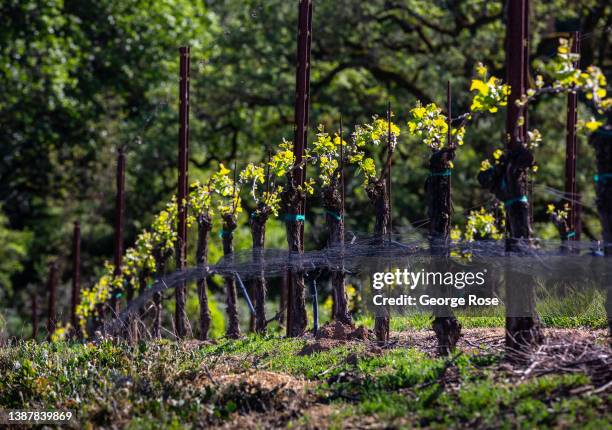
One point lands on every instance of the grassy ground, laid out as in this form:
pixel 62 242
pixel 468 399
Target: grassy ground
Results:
pixel 270 382
pixel 578 309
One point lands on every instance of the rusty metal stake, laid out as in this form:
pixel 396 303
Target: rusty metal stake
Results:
pixel 119 223
pixel 302 88
pixel 76 278
pixel 516 53
pixel 449 114
pixel 302 85
pixel 389 150
pixel 268 173
pixel 526 66
pixel 183 157
pixel 571 190
pixel 342 190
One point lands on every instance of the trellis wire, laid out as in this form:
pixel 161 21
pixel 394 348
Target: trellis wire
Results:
pixel 365 255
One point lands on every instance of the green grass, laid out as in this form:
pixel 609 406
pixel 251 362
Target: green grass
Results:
pixel 278 355
pixel 152 386
pixel 579 309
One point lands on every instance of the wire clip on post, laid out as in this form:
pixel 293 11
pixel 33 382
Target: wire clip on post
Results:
pixel 521 199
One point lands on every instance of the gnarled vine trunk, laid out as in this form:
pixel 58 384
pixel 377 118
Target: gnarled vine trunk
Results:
pixel 439 207
pixel 563 228
pixel 143 277
pixel 135 319
pixel 161 260
pixel 522 321
pixel 602 142
pixel 204 227
pixel 52 288
pixel 129 290
pixel 233 323
pixel 258 233
pixel 98 319
pixel 128 331
pixel 508 180
pixel 332 201
pixel 297 319
pixel 377 193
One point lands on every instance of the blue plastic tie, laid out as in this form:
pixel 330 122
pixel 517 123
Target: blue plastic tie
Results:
pixel 602 177
pixel 604 132
pixel 445 172
pixel 294 217
pixel 224 233
pixel 571 234
pixel 335 215
pixel 521 199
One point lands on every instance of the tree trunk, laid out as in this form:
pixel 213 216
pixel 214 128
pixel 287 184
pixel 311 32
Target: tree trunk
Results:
pixel 332 200
pixel 233 323
pixel 204 227
pixel 602 142
pixel 377 193
pixel 439 206
pixel 297 320
pixel 258 233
